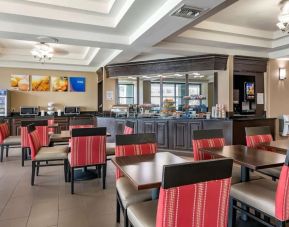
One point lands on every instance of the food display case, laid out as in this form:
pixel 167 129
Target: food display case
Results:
pixel 4 103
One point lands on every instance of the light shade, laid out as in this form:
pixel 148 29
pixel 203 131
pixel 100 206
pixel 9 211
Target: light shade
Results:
pixel 282 74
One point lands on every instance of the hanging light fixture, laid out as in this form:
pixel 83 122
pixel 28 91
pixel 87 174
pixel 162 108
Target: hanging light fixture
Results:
pixel 42 52
pixel 283 18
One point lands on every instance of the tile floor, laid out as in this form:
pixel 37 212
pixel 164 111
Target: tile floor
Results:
pixel 49 203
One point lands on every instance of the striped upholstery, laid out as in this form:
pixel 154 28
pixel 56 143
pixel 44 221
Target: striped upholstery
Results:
pixel 4 131
pixel 202 204
pixel 51 130
pixel 34 143
pixel 134 149
pixel 43 136
pixel 206 143
pixel 282 195
pixel 256 140
pixel 88 150
pixel 127 130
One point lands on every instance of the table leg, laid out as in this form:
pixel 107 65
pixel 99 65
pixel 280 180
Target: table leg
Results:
pixel 245 176
pixel 155 193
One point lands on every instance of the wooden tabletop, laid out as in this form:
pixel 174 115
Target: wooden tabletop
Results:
pixel 64 136
pixel 145 171
pixel 251 158
pixel 280 146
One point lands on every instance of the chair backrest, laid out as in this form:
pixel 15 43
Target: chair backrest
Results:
pixel 81 123
pixel 128 128
pixel 135 144
pixel 4 131
pixel 282 193
pixel 258 135
pixel 212 138
pixel 195 194
pixel 42 129
pixel 34 140
pixel 88 146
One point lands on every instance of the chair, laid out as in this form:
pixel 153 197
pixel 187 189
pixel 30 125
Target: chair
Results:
pixel 81 123
pixel 127 145
pixel 42 129
pixel 213 138
pixel 87 149
pixel 128 129
pixel 255 136
pixel 41 154
pixel 264 197
pixel 6 140
pixel 192 194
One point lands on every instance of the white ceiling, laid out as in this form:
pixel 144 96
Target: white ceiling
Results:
pixel 244 28
pixel 93 33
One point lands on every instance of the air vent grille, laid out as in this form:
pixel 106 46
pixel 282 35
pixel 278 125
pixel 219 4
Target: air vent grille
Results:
pixel 188 12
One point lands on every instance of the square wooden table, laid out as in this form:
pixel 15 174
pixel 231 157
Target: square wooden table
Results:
pixel 146 171
pixel 280 146
pixel 248 158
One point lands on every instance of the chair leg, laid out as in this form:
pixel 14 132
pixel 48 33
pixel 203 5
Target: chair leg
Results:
pixel 72 180
pixel 232 213
pixel 7 150
pixel 22 156
pixel 2 151
pixel 117 211
pixel 103 176
pixel 33 172
pixel 65 169
pixel 37 168
pixel 280 224
pixel 125 218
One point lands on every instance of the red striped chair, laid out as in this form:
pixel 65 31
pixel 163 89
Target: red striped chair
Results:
pixel 6 140
pixel 127 145
pixel 212 138
pixel 128 129
pixel 192 194
pixel 255 137
pixel 40 154
pixel 42 129
pixel 87 149
pixel 264 197
pixel 81 123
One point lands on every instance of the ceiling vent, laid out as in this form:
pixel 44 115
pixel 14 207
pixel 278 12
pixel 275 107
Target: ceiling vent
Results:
pixel 188 12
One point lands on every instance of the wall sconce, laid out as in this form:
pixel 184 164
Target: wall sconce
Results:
pixel 282 74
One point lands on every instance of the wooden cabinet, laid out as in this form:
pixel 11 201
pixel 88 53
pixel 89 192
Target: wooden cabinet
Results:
pixel 192 126
pixel 63 123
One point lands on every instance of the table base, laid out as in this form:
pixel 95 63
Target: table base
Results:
pixel 86 174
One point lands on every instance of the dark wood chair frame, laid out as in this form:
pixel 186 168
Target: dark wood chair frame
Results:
pixel 208 170
pixel 130 139
pixel 207 134
pixel 101 131
pixel 37 164
pixel 245 209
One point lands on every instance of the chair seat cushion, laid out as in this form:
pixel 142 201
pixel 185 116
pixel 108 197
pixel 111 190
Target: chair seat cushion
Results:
pixel 110 149
pixel 236 175
pixel 12 140
pixel 272 172
pixel 129 195
pixel 52 153
pixel 143 214
pixel 259 194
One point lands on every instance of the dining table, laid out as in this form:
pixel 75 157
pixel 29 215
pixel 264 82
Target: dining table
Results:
pixel 146 171
pixel 248 158
pixel 279 146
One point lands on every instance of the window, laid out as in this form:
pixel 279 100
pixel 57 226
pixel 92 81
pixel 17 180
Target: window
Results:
pixel 175 91
pixel 194 89
pixel 125 93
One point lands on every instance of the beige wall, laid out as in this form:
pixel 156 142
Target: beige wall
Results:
pixel 277 91
pixel 86 100
pixel 108 85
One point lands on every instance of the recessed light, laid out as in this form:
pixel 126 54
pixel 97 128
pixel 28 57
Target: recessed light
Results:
pixel 199 76
pixel 196 74
pixel 178 75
